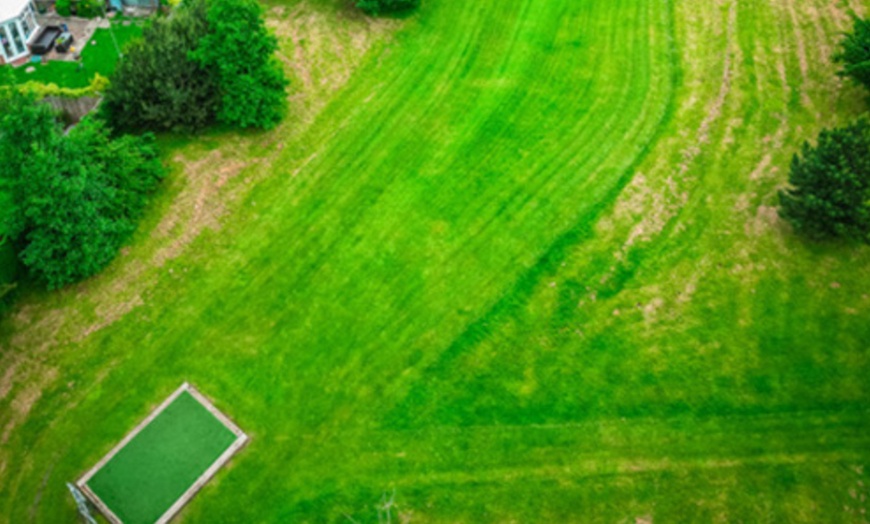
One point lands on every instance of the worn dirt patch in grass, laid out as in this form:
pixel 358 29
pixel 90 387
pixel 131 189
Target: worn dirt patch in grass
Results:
pixel 200 205
pixel 651 200
pixel 321 49
pixel 23 402
pixel 6 379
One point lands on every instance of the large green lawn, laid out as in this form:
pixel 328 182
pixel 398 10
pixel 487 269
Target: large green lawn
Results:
pixel 510 261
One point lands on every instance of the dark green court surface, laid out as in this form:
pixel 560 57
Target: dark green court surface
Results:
pixel 149 477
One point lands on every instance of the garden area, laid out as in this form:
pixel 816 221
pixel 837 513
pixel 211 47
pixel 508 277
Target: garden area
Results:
pixel 99 56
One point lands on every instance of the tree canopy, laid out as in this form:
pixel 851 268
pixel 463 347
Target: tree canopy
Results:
pixel 211 60
pixel 239 52
pixel 156 86
pixel 830 185
pixel 855 53
pixel 76 197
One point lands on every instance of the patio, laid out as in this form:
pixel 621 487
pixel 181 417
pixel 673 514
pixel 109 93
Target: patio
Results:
pixel 82 30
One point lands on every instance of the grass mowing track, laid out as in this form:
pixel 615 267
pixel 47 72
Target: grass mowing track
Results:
pixel 152 471
pixel 514 260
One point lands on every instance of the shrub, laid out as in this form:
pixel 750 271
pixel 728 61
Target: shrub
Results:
pixel 98 85
pixel 238 52
pixel 830 186
pixel 156 85
pixel 83 8
pixel 63 7
pixel 210 60
pixel 89 8
pixel 855 53
pixel 376 7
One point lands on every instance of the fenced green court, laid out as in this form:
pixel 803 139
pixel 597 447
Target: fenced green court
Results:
pixel 155 470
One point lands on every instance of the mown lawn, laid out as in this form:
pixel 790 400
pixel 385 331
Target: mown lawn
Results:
pixel 504 261
pixel 99 56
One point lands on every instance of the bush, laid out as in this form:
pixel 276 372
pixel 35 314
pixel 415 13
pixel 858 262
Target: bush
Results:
pixel 8 269
pixel 830 193
pixel 98 85
pixel 77 197
pixel 9 264
pixel 63 7
pixel 210 60
pixel 855 53
pixel 83 8
pixel 238 52
pixel 89 8
pixel 156 85
pixel 376 7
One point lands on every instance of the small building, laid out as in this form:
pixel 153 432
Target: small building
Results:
pixel 17 27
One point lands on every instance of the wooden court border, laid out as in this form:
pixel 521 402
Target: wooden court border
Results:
pixel 241 440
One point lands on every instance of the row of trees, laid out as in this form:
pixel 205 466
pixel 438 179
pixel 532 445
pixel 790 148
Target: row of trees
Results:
pixel 829 193
pixel 210 61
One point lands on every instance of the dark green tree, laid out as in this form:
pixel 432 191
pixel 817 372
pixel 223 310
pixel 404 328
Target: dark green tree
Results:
pixel 89 8
pixel 239 53
pixel 855 53
pixel 377 7
pixel 77 197
pixel 157 86
pixel 63 7
pixel 830 186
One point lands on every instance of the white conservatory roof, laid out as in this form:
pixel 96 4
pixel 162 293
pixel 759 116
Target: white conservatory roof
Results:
pixel 11 8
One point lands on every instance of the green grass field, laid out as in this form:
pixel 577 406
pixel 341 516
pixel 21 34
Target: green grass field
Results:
pixel 99 56
pixel 511 261
pixel 152 471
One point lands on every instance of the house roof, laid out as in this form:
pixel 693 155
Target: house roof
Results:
pixel 11 8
